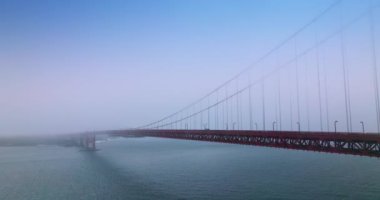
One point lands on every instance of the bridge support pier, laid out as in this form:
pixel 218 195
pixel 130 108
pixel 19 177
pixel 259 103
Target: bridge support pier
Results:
pixel 88 142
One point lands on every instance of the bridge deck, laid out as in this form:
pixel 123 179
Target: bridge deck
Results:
pixel 346 143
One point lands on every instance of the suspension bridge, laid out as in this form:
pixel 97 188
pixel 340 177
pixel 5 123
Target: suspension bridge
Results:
pixel 316 90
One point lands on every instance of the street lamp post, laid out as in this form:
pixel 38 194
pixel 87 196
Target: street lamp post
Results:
pixel 273 125
pixel 299 126
pixel 362 126
pixel 205 126
pixel 335 122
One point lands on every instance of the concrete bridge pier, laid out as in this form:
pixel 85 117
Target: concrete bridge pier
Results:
pixel 88 141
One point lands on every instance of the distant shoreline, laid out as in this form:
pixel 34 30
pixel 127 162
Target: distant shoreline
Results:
pixel 60 140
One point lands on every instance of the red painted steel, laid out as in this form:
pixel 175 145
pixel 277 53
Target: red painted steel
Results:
pixel 344 143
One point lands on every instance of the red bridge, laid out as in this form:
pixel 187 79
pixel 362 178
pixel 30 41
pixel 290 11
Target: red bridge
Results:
pixel 345 143
pixel 305 93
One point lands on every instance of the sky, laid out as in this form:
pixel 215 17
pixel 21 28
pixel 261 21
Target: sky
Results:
pixel 74 66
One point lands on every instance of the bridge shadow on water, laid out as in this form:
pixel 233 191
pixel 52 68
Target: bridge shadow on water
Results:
pixel 108 181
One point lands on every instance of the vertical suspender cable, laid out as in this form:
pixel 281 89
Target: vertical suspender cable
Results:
pixel 279 94
pixel 319 84
pixel 291 107
pixel 227 108
pixel 275 123
pixel 345 79
pixel 201 110
pixel 279 103
pixel 237 105
pixel 223 114
pixel 241 113
pixel 180 120
pixel 250 105
pixel 263 101
pixel 208 113
pixel 297 82
pixel 217 111
pixel 326 97
pixel 307 94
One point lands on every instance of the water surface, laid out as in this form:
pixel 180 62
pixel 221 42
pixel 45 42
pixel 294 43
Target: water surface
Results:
pixel 154 168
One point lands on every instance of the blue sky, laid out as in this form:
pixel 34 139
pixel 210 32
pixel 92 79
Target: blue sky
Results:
pixel 68 66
